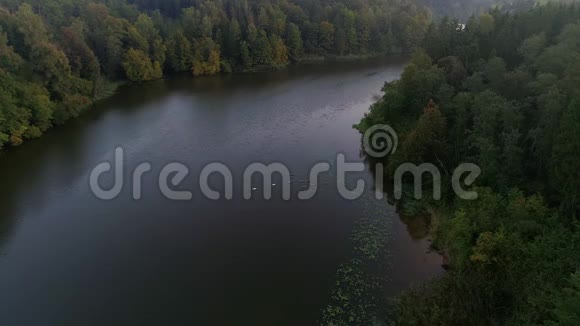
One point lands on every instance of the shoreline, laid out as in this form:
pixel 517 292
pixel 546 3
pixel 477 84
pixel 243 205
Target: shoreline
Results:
pixel 111 88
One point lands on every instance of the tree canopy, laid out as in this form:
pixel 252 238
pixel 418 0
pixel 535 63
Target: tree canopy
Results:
pixel 58 56
pixel 503 94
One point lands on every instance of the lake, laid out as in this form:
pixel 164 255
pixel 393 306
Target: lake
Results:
pixel 69 258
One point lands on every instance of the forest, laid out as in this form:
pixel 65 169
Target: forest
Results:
pixel 57 57
pixel 462 10
pixel 503 93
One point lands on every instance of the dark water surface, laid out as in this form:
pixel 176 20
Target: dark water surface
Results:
pixel 68 258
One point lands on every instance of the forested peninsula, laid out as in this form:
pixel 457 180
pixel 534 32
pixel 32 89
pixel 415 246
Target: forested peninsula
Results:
pixel 59 56
pixel 502 93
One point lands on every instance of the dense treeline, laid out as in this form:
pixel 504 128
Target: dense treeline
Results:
pixel 463 9
pixel 503 93
pixel 58 56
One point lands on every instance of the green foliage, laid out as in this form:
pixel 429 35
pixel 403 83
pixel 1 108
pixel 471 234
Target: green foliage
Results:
pixel 246 55
pixel 503 94
pixel 425 143
pixel 262 50
pixel 279 51
pixel 206 58
pixel 180 52
pixel 58 54
pixel 139 67
pixel 565 156
pixel 295 44
pixel 508 255
pixel 326 39
pixel 463 9
pixel 566 303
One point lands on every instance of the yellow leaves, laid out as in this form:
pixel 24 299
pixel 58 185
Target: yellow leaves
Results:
pixel 16 139
pixel 139 67
pixel 279 51
pixel 209 67
pixel 16 136
pixel 489 248
pixel 33 132
pixel 207 58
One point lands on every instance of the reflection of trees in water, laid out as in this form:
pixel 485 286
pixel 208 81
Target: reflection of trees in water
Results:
pixel 8 197
pixel 358 296
pixel 418 227
pixel 413 213
pixel 6 226
pixel 23 170
pixel 29 172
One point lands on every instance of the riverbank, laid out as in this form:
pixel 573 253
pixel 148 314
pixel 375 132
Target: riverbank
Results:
pixel 344 58
pixel 110 88
pixel 188 262
pixel 107 89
